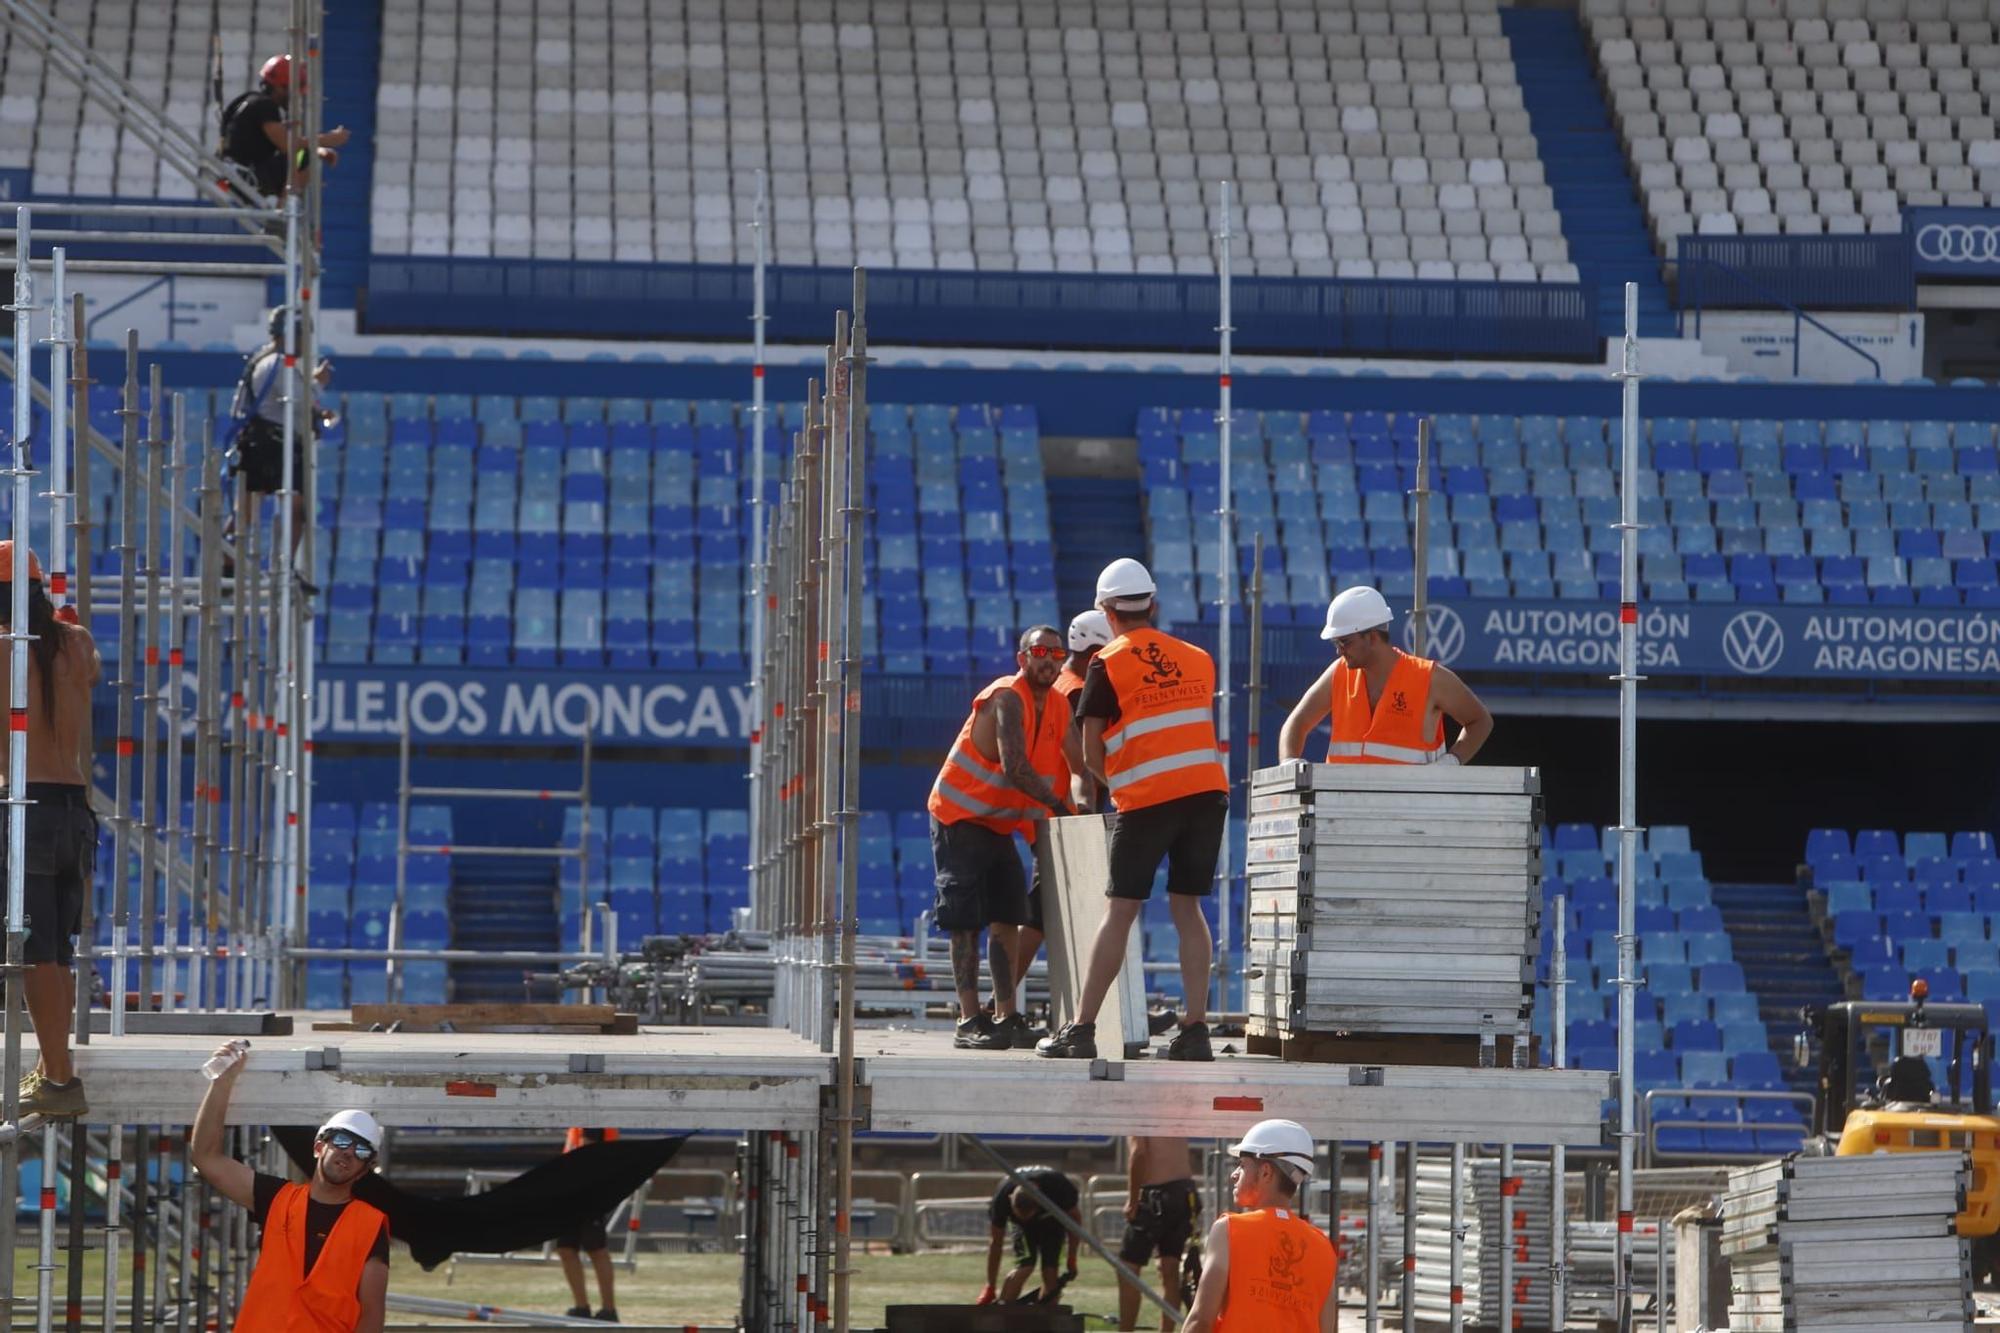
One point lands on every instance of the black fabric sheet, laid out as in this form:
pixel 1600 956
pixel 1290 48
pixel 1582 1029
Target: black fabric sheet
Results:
pixel 538 1205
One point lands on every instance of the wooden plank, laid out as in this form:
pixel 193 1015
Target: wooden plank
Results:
pixel 517 1015
pixel 1073 906
pixel 180 1023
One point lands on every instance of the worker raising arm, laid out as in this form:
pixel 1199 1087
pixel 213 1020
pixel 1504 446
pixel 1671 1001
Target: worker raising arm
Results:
pixel 1388 707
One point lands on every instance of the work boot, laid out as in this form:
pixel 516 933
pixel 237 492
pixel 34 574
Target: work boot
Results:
pixel 978 1033
pixel 51 1101
pixel 1014 1027
pixel 1077 1041
pixel 608 1315
pixel 578 1312
pixel 1190 1043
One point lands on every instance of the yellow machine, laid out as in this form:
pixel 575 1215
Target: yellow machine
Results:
pixel 1907 1111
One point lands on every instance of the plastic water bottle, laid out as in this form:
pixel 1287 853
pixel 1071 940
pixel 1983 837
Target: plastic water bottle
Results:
pixel 220 1062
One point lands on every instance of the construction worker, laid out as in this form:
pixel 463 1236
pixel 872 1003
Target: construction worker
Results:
pixel 1162 1205
pixel 257 135
pixel 1005 772
pixel 1088 633
pixel 61 841
pixel 1265 1269
pixel 1388 707
pixel 257 424
pixel 324 1264
pixel 1148 710
pixel 588 1236
pixel 1038 1238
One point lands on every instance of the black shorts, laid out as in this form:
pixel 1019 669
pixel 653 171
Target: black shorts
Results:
pixel 1167 1216
pixel 1185 832
pixel 1039 1241
pixel 587 1235
pixel 62 852
pixel 979 879
pixel 260 457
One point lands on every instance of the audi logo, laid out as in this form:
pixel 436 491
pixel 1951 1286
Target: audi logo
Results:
pixel 1959 243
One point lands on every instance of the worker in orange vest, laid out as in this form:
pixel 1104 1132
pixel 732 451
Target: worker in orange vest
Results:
pixel 324 1264
pixel 1266 1269
pixel 1148 710
pixel 1088 634
pixel 588 1236
pixel 1005 773
pixel 1388 707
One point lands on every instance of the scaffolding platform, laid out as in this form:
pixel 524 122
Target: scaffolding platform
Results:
pixel 743 1079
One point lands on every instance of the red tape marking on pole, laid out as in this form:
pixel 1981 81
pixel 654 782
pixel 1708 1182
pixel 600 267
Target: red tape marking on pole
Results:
pixel 1239 1103
pixel 17 719
pixel 1625 1223
pixel 1628 613
pixel 124 745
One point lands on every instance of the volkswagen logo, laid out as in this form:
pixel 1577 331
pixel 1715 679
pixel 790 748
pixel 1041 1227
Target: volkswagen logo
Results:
pixel 1959 243
pixel 1753 642
pixel 1444 637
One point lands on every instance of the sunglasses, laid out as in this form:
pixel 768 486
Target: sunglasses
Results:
pixel 340 1138
pixel 1043 650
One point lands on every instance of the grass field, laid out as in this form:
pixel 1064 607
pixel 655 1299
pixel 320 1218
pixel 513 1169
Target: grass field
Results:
pixel 684 1288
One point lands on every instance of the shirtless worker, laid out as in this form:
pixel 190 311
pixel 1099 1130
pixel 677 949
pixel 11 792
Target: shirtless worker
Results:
pixel 1162 1206
pixel 61 843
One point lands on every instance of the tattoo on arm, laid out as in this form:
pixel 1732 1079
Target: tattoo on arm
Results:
pixel 1011 736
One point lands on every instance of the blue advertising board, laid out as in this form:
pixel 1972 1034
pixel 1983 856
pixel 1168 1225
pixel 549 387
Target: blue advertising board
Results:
pixel 1798 643
pixel 708 710
pixel 1954 242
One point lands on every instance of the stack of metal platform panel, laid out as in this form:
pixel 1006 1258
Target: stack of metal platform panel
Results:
pixel 1849 1243
pixel 1495 1216
pixel 1388 898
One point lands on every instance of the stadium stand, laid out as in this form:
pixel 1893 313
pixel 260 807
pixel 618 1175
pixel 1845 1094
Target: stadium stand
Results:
pixel 1828 119
pixel 1698 1026
pixel 1366 143
pixel 1757 510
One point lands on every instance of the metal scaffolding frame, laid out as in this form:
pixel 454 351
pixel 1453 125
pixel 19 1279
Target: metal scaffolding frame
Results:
pixel 201 914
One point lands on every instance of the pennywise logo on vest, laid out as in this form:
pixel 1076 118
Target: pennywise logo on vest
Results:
pixel 1162 670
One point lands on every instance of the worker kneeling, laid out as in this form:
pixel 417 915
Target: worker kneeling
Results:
pixel 1387 706
pixel 1267 1270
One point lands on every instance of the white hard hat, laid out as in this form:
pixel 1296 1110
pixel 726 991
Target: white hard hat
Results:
pixel 1126 585
pixel 358 1123
pixel 1091 629
pixel 1355 610
pixel 1285 1141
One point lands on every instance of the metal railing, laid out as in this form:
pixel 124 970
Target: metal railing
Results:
pixel 1694 266
pixel 1653 1121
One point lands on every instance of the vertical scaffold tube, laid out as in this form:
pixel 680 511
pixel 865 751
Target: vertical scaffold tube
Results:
pixel 1628 821
pixel 1457 1236
pixel 758 586
pixel 20 459
pixel 128 605
pixel 1371 1277
pixel 77 447
pixel 148 713
pixel 854 513
pixel 1225 539
pixel 1558 1154
pixel 1510 1190
pixel 171 697
pixel 1409 1291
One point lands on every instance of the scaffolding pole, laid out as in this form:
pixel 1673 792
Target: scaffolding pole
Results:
pixel 1226 544
pixel 1628 679
pixel 759 230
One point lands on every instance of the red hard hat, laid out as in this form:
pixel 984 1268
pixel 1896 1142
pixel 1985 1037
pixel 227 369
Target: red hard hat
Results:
pixel 277 71
pixel 7 564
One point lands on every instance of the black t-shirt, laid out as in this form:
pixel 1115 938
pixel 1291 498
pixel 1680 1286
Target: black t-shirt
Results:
pixel 245 141
pixel 1098 698
pixel 320 1218
pixel 1060 1189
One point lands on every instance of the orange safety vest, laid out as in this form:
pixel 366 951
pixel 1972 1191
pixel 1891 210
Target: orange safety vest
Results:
pixel 1280 1274
pixel 972 786
pixel 1162 746
pixel 1393 731
pixel 574 1139
pixel 1068 685
pixel 283 1297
